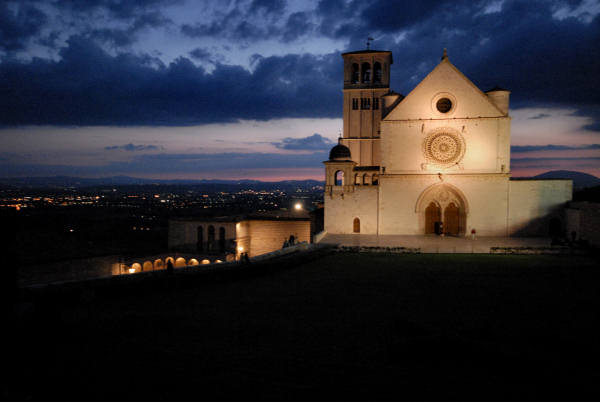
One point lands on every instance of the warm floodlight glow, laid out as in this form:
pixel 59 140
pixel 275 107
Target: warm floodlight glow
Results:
pixel 298 206
pixel 205 262
pixel 240 249
pixel 131 270
pixel 218 261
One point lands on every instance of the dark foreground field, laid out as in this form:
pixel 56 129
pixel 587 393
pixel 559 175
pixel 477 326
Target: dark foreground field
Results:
pixel 344 327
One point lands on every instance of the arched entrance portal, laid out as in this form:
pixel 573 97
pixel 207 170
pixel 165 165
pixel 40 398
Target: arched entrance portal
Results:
pixel 432 215
pixel 442 203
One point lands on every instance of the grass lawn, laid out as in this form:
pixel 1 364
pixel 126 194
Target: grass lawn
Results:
pixel 343 327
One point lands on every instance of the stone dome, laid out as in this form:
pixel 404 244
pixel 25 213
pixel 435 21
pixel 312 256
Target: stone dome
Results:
pixel 340 152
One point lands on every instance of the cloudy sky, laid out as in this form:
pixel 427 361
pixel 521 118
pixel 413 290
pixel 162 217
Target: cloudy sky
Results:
pixel 252 88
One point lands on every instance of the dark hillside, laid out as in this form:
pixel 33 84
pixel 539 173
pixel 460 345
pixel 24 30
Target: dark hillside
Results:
pixel 363 327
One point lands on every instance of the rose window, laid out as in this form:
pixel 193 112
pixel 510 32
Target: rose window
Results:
pixel 444 148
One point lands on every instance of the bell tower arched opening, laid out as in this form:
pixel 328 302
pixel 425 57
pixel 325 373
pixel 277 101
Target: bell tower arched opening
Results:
pixel 377 73
pixel 355 73
pixel 366 73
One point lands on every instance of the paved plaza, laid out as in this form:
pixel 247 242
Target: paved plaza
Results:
pixel 434 243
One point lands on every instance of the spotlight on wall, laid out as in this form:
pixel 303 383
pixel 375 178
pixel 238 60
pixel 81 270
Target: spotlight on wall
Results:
pixel 240 249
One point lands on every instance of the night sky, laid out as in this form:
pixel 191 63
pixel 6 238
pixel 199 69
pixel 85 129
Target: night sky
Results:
pixel 252 88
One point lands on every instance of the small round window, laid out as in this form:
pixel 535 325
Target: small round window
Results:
pixel 444 105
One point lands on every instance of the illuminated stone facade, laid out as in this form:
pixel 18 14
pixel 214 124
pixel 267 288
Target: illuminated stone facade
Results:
pixel 232 235
pixel 435 160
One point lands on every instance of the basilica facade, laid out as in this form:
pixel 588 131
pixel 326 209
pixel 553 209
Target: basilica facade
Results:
pixel 434 161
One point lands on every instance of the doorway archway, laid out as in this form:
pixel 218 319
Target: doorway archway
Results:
pixel 442 203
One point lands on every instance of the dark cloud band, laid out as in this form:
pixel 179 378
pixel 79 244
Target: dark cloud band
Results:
pixel 550 147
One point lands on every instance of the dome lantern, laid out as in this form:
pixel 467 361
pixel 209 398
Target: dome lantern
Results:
pixel 340 152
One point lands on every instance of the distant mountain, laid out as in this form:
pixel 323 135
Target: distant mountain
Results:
pixel 81 182
pixel 580 180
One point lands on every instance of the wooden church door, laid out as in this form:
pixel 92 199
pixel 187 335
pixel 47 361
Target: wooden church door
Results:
pixel 451 219
pixel 432 215
pixel 356 225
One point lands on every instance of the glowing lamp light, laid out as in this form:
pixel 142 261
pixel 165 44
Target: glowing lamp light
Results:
pixel 297 206
pixel 240 249
pixel 131 270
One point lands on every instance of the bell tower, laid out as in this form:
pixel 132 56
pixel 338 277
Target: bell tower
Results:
pixel 366 81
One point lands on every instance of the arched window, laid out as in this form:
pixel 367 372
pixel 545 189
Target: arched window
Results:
pixel 375 179
pixel 356 179
pixel 200 239
pixel 366 72
pixel 221 239
pixel 356 225
pixel 366 179
pixel 355 73
pixel 339 178
pixel 377 73
pixel 210 245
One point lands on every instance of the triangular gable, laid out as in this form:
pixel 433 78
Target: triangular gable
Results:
pixel 468 100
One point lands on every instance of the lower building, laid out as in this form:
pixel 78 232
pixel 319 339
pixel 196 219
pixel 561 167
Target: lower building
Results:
pixel 230 236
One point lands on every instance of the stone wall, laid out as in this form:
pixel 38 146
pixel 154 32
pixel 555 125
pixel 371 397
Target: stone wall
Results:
pixel 483 198
pixel 341 210
pixel 486 143
pixel 266 236
pixel 534 203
